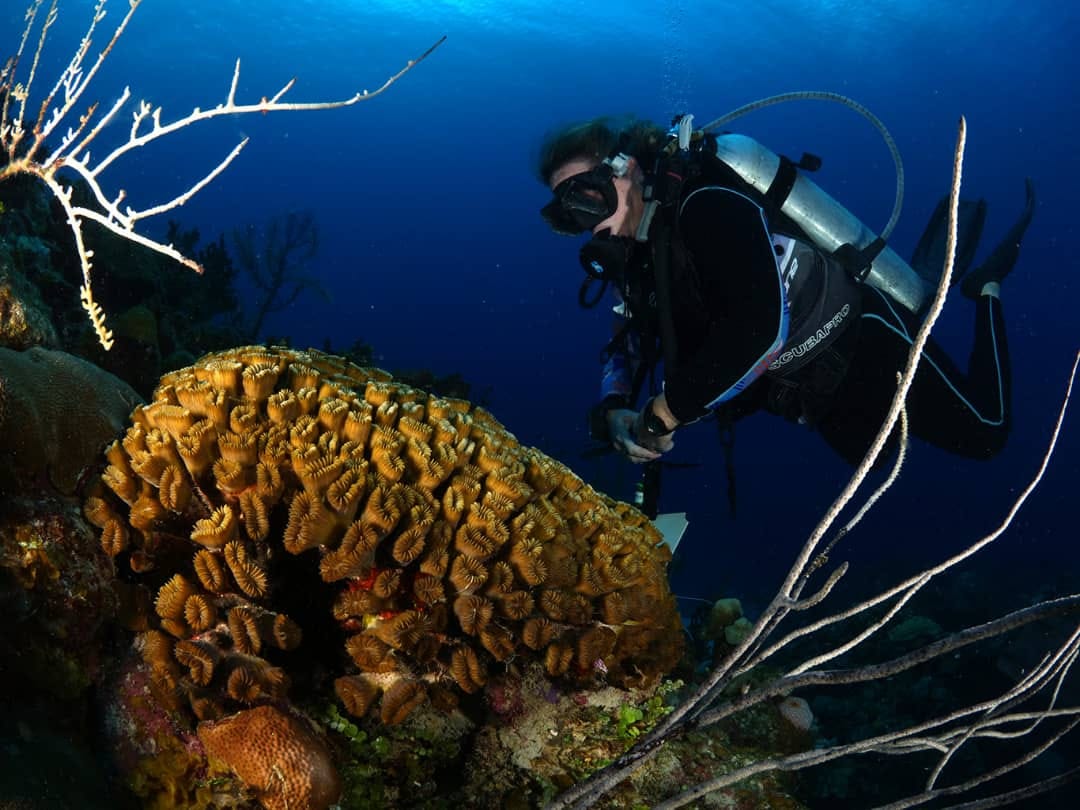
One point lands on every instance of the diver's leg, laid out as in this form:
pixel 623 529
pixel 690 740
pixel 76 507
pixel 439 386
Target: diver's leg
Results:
pixel 1004 256
pixel 966 414
pixel 859 405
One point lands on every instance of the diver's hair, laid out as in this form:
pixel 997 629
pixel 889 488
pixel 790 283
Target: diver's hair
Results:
pixel 598 138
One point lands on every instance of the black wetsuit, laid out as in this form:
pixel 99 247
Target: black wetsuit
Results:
pixel 966 414
pixel 836 371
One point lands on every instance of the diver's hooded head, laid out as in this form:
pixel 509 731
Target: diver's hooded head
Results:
pixel 594 170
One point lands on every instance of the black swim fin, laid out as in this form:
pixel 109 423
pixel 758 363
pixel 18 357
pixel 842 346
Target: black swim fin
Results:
pixel 1002 258
pixel 929 257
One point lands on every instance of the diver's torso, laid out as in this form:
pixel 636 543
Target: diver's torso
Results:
pixel 823 301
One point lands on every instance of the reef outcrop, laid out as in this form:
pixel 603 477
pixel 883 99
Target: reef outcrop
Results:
pixel 24 318
pixel 300 521
pixel 57 594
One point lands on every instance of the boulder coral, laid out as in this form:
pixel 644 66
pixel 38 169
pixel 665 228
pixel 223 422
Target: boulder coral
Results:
pixel 57 412
pixel 302 521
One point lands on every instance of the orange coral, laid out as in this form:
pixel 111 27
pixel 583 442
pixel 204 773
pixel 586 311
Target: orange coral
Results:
pixel 276 755
pixel 356 693
pixel 414 533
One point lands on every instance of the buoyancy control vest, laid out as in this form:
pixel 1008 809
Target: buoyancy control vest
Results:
pixel 823 298
pixel 822 301
pixel 825 303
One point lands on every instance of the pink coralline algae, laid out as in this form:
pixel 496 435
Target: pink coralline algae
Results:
pixel 505 699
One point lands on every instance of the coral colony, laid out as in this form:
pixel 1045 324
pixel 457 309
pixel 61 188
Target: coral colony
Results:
pixel 435 545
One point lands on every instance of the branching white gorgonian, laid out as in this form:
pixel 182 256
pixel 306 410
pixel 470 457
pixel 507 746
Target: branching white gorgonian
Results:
pixel 24 136
pixel 1011 715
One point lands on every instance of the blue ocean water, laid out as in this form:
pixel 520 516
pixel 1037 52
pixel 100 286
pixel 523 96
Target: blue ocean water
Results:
pixel 433 251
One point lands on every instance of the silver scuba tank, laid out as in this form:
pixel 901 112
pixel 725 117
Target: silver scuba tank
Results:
pixel 828 224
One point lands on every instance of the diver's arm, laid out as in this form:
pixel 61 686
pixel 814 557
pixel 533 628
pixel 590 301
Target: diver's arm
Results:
pixel 741 292
pixel 728 412
pixel 616 380
pixel 616 383
pixel 661 414
pixel 612 419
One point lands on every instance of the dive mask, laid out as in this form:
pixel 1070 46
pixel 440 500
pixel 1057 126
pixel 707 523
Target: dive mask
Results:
pixel 584 200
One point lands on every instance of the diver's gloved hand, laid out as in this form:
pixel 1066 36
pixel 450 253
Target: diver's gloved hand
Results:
pixel 621 428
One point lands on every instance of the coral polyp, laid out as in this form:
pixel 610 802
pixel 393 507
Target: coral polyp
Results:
pixel 299 518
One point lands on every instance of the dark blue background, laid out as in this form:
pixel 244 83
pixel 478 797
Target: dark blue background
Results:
pixel 433 251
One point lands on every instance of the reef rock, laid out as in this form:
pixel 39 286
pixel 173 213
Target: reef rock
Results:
pixel 24 318
pixel 57 590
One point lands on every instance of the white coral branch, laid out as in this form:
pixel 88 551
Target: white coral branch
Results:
pixel 73 150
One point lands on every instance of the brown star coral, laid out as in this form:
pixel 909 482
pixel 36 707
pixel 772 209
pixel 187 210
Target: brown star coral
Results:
pixel 299 515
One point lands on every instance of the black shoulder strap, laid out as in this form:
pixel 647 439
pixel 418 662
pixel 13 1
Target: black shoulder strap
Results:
pixel 857 261
pixel 662 271
pixel 782 183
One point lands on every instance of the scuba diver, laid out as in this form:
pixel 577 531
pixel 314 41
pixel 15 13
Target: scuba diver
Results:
pixel 724 278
